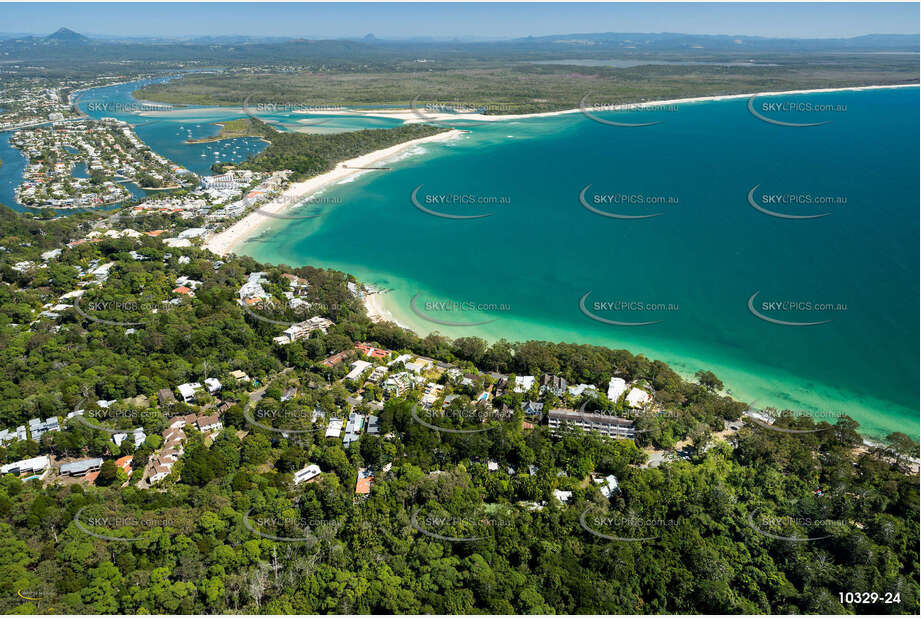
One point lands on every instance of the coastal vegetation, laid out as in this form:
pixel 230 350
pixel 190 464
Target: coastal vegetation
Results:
pixel 511 89
pixel 709 526
pixel 241 127
pixel 308 154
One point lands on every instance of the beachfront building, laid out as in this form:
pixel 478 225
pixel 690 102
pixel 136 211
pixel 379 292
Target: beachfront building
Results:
pixel 611 426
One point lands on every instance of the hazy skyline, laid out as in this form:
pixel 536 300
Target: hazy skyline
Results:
pixel 462 20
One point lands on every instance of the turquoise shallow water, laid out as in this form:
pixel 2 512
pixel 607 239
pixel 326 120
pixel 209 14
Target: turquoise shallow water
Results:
pixel 703 257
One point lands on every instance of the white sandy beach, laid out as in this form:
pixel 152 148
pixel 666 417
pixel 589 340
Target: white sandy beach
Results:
pixel 222 242
pixel 410 116
pixel 376 308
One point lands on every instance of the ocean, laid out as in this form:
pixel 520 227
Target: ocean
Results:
pixel 783 258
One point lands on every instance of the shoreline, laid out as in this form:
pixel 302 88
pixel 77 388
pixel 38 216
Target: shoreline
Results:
pixel 377 311
pixel 387 307
pixel 410 116
pixel 223 242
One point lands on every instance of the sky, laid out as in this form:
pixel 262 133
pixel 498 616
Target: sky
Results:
pixel 463 20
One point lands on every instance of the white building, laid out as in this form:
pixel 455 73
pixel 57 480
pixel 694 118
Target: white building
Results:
pixel 305 474
pixel 562 496
pixel 187 391
pixel 334 428
pixel 578 389
pixel 35 465
pixel 611 426
pixel 616 388
pixel 637 398
pixel 523 383
pixel 609 485
pixel 358 367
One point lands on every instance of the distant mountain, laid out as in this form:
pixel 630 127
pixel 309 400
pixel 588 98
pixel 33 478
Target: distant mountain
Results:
pixel 672 41
pixel 66 36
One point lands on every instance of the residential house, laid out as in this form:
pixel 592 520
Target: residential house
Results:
pixel 637 398
pixel 239 376
pixel 523 384
pixel 616 388
pixel 334 428
pixel 553 384
pixel 373 427
pixel 358 367
pixel 353 429
pixel 307 473
pixel 187 391
pixel 213 385
pixel 397 384
pixel 38 427
pixel 579 389
pixel 365 480
pixel 81 467
pixel 165 396
pixel 31 466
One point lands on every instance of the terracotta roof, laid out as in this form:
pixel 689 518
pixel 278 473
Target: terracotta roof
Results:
pixel 363 486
